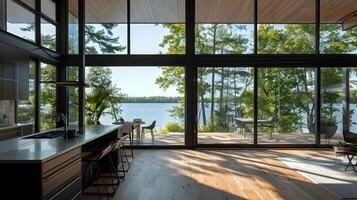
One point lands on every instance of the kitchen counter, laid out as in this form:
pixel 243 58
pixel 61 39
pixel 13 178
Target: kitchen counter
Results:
pixel 19 150
pixel 14 126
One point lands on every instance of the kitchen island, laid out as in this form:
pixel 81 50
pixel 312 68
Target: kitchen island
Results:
pixel 48 168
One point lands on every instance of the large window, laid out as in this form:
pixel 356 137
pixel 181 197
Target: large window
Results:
pixel 48 7
pixel 20 21
pixel 157 27
pixel 286 105
pixel 106 27
pixel 72 75
pixel 47 97
pixel 224 27
pixel 73 34
pixel 48 35
pixel 338 105
pixel 338 31
pixel 225 105
pixel 331 105
pixel 151 97
pixel 352 91
pixel 26 108
pixel 286 27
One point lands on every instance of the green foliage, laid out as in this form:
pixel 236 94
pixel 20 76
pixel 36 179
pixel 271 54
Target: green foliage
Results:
pixel 326 121
pixel 102 97
pixel 210 127
pixel 100 39
pixel 172 127
pixel 152 99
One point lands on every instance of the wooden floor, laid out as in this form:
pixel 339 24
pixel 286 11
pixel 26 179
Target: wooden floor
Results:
pixel 218 174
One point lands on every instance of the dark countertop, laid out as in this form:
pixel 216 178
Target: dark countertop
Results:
pixel 39 150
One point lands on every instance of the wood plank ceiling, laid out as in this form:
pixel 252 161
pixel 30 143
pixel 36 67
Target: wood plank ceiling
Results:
pixel 213 11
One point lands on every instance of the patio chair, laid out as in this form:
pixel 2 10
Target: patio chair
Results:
pixel 151 128
pixel 350 137
pixel 272 124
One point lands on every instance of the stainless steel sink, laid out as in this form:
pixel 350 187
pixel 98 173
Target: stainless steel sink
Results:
pixel 46 135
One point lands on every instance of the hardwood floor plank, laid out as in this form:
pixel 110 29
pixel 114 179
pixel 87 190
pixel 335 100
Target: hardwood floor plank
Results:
pixel 218 174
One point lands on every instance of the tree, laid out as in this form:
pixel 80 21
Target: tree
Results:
pixel 100 39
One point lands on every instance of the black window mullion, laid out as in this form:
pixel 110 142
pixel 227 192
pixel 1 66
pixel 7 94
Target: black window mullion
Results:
pixel 128 27
pixel 38 22
pixel 318 105
pixel 37 96
pixel 317 27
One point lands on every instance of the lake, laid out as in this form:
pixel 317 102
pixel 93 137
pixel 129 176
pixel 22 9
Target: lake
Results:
pixel 149 112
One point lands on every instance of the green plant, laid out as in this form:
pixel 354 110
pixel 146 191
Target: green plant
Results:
pixel 328 121
pixel 172 127
pixel 340 144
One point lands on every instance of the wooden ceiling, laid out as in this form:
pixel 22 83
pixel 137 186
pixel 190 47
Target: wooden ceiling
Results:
pixel 214 11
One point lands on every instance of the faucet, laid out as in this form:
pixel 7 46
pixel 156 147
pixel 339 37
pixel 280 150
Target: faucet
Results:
pixel 63 117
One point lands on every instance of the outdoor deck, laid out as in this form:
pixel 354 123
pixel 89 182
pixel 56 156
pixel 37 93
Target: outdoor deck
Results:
pixel 234 138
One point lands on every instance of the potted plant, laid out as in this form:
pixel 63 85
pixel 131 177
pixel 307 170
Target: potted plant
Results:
pixel 328 127
pixel 338 147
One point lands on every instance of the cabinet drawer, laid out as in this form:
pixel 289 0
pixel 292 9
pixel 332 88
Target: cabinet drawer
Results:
pixel 52 182
pixel 70 191
pixel 9 133
pixel 62 160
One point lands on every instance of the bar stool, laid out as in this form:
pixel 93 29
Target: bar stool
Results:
pixel 92 162
pixel 128 129
pixel 121 154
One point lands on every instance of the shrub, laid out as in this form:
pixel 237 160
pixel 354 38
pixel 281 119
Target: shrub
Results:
pixel 172 127
pixel 212 128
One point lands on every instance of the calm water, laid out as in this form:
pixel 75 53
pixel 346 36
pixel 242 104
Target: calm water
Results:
pixel 149 112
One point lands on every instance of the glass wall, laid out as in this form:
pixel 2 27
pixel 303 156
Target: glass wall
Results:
pixel 47 97
pixel 26 108
pixel 30 3
pixel 331 105
pixel 286 27
pixel 224 27
pixel 157 27
pixel 338 33
pixel 151 97
pixel 72 75
pixel 106 27
pixel 73 26
pixel 225 105
pixel 48 35
pixel 286 105
pixel 48 7
pixel 352 121
pixel 20 21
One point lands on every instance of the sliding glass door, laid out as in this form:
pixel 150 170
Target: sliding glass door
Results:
pixel 225 105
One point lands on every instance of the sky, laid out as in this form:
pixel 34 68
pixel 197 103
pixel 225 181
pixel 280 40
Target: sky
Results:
pixel 140 81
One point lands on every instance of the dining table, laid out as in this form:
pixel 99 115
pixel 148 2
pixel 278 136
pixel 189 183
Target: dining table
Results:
pixel 136 124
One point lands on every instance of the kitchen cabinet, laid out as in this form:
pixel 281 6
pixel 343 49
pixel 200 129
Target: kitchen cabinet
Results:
pixel 62 176
pixel 14 74
pixel 22 82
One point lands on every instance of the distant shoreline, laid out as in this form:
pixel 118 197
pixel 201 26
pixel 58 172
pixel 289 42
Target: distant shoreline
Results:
pixel 152 99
